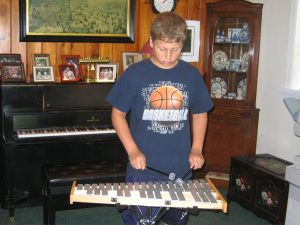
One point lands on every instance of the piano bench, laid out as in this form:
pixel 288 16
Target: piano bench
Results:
pixel 57 182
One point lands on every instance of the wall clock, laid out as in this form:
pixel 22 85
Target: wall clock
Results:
pixel 160 6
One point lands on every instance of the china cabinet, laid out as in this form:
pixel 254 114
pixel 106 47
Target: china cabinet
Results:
pixel 232 55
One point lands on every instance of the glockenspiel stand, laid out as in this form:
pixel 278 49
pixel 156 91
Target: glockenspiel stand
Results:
pixel 147 219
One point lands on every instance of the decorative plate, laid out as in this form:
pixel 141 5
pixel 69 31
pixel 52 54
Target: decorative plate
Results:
pixel 218 87
pixel 219 60
pixel 245 61
pixel 244 36
pixel 241 90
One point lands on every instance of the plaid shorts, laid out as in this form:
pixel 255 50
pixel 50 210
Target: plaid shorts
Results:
pixel 135 215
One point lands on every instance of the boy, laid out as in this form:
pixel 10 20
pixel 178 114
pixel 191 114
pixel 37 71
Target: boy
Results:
pixel 161 93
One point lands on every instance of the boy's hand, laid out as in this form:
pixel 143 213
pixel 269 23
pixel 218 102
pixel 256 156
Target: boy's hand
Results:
pixel 137 160
pixel 196 160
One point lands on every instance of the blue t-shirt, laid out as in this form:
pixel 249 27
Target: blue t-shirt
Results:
pixel 159 101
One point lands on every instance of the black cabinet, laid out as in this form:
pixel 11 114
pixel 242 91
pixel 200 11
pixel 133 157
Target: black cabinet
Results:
pixel 258 184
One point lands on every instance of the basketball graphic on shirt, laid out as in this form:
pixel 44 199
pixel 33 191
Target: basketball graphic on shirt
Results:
pixel 166 97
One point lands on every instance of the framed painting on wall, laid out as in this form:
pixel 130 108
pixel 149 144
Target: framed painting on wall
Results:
pixel 77 21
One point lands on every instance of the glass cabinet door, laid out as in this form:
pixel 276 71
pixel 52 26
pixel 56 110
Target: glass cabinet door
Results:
pixel 230 58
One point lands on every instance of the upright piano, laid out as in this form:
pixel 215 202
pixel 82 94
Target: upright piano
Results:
pixel 51 123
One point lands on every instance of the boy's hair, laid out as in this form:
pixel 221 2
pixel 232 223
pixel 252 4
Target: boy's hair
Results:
pixel 169 27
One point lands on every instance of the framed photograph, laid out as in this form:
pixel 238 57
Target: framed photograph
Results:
pixel 73 60
pixel 190 50
pixel 106 72
pixel 41 59
pixel 77 21
pixel 67 73
pixel 43 74
pixel 13 72
pixel 130 58
pixel 10 58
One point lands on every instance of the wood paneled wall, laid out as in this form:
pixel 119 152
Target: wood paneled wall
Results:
pixel 9 36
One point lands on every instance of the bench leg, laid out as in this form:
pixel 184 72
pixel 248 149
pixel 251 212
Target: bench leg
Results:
pixel 49 212
pixel 11 211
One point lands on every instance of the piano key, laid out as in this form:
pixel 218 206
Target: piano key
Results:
pixel 47 132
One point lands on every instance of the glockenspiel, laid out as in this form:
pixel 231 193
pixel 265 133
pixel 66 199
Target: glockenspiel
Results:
pixel 199 193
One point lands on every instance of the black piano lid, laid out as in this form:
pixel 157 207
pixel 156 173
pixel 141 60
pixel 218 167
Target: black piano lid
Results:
pixel 76 96
pixel 21 97
pixel 30 106
pixel 56 96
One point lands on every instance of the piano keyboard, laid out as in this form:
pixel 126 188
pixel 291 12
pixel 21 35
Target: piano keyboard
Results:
pixel 56 132
pixel 192 193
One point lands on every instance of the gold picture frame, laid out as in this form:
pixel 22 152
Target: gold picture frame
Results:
pixel 77 21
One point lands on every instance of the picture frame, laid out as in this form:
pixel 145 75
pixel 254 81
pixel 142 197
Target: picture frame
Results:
pixel 67 73
pixel 13 72
pixel 41 60
pixel 43 74
pixel 88 21
pixel 10 58
pixel 191 46
pixel 130 58
pixel 106 72
pixel 75 61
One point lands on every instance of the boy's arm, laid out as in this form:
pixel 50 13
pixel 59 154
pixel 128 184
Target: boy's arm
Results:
pixel 136 157
pixel 199 124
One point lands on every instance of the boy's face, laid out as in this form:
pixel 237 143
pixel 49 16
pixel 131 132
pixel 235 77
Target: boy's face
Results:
pixel 165 54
